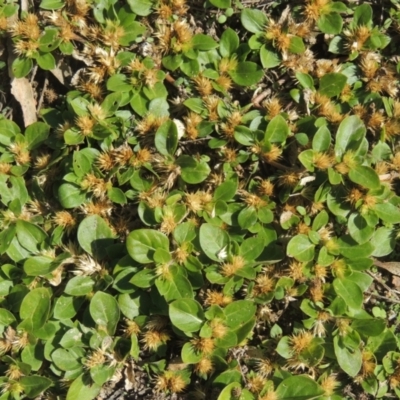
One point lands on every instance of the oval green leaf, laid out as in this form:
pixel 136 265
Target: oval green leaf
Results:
pixel 105 312
pixel 143 243
pixel 301 248
pixel 94 236
pixel 186 314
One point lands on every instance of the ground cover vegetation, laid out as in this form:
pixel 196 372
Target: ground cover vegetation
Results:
pixel 204 194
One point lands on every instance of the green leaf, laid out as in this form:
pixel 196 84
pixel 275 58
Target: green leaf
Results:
pixel 349 291
pixel 226 191
pixel 247 73
pixel 194 104
pixel 184 232
pixel 105 312
pixel 30 235
pixel 118 83
pixel 143 278
pixel 301 248
pixel 94 236
pixel 70 196
pixel 221 3
pixel 192 171
pixel 213 241
pixel 79 286
pixel 331 23
pixel 166 138
pixel 247 217
pixel 34 385
pixel 8 130
pixel 132 30
pixel 143 243
pixel 306 157
pixel 111 103
pixel 381 151
pixel 33 355
pixel 46 61
pixel 102 373
pixel 231 387
pixel 384 241
pixel 383 343
pixel 39 265
pixel 36 133
pixel 350 249
pixel 253 20
pixel 51 4
pixel 49 41
pixel 83 388
pixel 362 15
pixel 116 195
pixel 35 308
pixel 251 248
pixel 142 8
pixel 332 84
pixel 349 361
pixel 322 139
pixel 176 286
pixel 130 305
pixel 203 42
pixel 387 212
pixel 300 387
pixel 244 135
pixel 186 314
pixel 359 229
pixel 269 57
pixel 139 104
pixel 277 130
pixel 66 48
pixel 73 137
pixel 16 252
pixel 190 68
pixel 21 67
pixel 369 327
pixel 66 307
pixel 6 317
pixel 350 133
pixel 172 62
pixel 229 42
pixel 79 105
pixel 305 80
pixel 6 237
pixel 239 313
pixel 65 360
pixel 365 176
pixel 189 355
pixel 297 45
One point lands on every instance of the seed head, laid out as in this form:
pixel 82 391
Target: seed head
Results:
pixel 170 381
pixel 96 358
pixel 214 297
pixel 132 328
pixel 204 366
pixel 301 341
pixel 153 339
pixel 65 219
pixel 263 284
pixel 273 107
pixel 256 383
pixel 219 329
pixel 329 384
pixel 230 268
pixel 203 345
pixel 317 291
pixel 203 85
